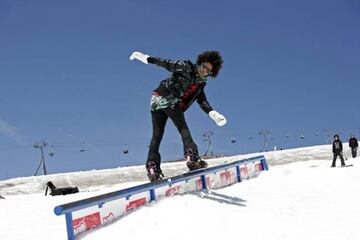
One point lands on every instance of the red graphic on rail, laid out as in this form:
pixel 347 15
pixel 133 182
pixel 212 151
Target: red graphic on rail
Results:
pixel 87 222
pixel 226 178
pixel 258 167
pixel 244 172
pixel 109 218
pixel 172 191
pixel 136 203
pixel 199 183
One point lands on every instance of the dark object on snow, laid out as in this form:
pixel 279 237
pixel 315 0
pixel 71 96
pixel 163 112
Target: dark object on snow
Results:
pixel 60 191
pixel 1 197
pixel 337 149
pixel 353 144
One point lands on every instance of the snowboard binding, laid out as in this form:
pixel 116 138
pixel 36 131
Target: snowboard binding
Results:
pixel 153 172
pixel 194 165
pixel 193 161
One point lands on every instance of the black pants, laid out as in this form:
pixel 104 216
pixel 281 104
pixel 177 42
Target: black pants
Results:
pixel 336 154
pixel 354 152
pixel 159 119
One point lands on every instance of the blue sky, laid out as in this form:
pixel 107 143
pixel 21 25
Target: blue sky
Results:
pixel 291 67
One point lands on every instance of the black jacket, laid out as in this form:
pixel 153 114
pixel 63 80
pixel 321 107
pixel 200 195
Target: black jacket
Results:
pixel 337 146
pixel 353 143
pixel 182 77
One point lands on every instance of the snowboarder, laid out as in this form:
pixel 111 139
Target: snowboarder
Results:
pixel 173 97
pixel 60 191
pixel 337 149
pixel 353 144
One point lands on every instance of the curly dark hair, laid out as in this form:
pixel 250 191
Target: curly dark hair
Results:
pixel 212 57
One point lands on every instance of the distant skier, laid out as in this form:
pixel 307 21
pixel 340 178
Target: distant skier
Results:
pixel 337 149
pixel 353 144
pixel 172 97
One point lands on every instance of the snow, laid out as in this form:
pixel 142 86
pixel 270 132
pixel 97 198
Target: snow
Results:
pixel 300 197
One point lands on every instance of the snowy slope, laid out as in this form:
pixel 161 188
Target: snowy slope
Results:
pixel 299 200
pixel 304 200
pixel 98 179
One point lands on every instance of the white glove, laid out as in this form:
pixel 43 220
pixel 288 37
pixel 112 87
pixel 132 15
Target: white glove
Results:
pixel 218 118
pixel 139 56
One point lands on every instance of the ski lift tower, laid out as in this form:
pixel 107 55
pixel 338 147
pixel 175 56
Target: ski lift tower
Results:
pixel 266 134
pixel 40 145
pixel 207 138
pixel 328 133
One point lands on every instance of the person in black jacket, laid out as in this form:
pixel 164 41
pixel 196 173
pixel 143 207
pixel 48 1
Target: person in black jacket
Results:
pixel 337 149
pixel 173 97
pixel 353 144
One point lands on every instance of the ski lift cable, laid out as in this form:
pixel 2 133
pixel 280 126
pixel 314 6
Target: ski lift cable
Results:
pixel 104 143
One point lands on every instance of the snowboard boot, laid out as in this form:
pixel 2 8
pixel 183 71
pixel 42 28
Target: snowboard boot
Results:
pixel 193 161
pixel 194 165
pixel 153 172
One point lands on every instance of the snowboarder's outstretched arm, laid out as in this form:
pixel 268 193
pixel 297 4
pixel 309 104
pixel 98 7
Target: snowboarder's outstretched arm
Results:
pixel 204 104
pixel 219 119
pixel 170 65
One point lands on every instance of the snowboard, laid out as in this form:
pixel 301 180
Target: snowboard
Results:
pixel 347 165
pixel 192 166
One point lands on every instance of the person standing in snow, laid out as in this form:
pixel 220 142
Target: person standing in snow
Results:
pixel 353 144
pixel 173 97
pixel 337 149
